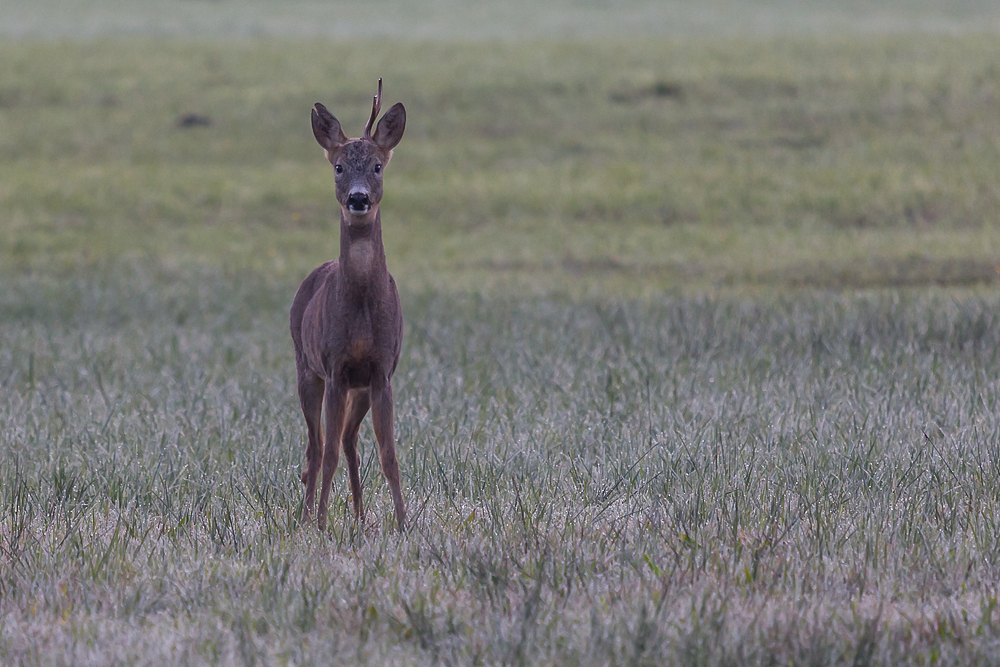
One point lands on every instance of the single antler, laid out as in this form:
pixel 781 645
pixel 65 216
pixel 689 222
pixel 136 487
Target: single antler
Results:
pixel 376 106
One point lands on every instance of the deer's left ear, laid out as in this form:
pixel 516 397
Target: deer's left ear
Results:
pixel 390 129
pixel 326 128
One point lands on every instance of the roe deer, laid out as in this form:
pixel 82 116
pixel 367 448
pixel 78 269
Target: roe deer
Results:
pixel 346 320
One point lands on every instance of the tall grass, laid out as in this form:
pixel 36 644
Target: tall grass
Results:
pixel 808 479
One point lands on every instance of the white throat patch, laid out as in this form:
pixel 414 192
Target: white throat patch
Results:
pixel 359 256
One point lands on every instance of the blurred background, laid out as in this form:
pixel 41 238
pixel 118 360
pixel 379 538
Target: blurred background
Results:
pixel 476 19
pixel 583 146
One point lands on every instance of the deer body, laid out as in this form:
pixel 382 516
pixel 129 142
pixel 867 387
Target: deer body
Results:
pixel 346 321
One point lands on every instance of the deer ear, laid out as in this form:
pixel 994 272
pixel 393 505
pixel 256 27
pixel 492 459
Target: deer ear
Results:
pixel 327 128
pixel 390 128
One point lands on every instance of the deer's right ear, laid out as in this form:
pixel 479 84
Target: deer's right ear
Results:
pixel 326 128
pixel 389 130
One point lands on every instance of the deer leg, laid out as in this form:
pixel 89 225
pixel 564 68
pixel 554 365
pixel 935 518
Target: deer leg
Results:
pixel 382 420
pixel 336 402
pixel 311 388
pixel 357 408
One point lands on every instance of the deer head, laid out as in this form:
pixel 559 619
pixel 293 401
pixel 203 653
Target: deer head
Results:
pixel 358 163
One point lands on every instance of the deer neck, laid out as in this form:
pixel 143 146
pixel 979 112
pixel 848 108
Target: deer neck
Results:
pixel 362 255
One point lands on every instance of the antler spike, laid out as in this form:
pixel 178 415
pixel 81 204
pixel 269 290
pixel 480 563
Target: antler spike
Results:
pixel 376 106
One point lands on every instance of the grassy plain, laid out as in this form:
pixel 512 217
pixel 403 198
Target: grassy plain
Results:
pixel 597 166
pixel 807 480
pixel 632 430
pixel 479 19
pixel 810 479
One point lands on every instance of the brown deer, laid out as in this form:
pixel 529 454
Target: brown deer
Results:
pixel 346 320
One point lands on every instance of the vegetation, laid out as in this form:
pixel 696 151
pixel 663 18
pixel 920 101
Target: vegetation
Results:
pixel 606 167
pixel 477 19
pixel 701 361
pixel 807 480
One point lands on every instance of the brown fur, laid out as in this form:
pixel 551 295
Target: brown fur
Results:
pixel 346 321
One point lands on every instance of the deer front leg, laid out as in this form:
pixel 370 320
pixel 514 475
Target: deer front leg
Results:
pixel 311 389
pixel 357 408
pixel 336 402
pixel 382 420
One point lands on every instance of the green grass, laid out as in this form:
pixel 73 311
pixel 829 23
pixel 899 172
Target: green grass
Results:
pixel 804 480
pixel 584 166
pixel 632 430
pixel 477 19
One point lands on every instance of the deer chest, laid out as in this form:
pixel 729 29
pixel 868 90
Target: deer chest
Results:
pixel 358 362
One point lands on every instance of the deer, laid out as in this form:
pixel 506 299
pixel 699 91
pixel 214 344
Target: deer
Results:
pixel 346 320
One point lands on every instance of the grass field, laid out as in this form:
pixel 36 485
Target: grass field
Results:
pixel 803 480
pixel 608 167
pixel 478 19
pixel 701 362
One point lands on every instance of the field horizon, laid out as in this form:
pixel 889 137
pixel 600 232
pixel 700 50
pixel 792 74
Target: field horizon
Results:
pixel 513 20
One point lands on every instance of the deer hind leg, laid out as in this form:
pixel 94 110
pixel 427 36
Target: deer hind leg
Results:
pixel 336 401
pixel 357 408
pixel 311 388
pixel 382 421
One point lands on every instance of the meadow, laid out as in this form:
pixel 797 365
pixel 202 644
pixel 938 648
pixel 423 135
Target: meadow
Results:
pixel 811 479
pixel 701 362
pixel 575 166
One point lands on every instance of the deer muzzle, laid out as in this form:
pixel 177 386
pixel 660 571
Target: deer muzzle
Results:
pixel 358 202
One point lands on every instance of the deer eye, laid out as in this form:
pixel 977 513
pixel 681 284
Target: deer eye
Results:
pixel 378 169
pixel 339 169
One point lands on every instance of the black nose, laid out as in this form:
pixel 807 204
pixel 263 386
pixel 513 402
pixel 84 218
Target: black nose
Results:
pixel 359 201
